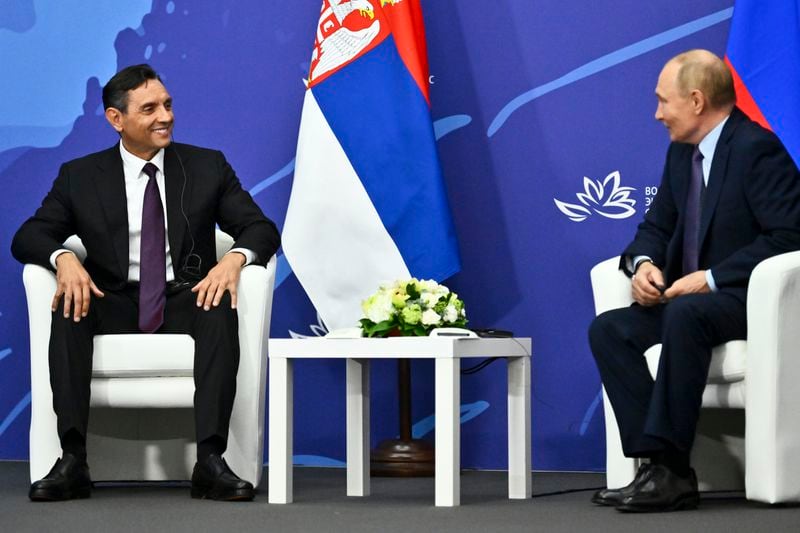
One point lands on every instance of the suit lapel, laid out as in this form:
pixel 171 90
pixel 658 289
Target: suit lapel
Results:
pixel 719 170
pixel 110 185
pixel 174 178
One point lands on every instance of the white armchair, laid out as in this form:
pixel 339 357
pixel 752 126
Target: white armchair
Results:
pixel 749 429
pixel 132 374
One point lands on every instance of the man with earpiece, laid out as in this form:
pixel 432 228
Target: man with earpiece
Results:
pixel 146 211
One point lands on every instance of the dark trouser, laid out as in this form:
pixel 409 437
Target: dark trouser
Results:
pixel 216 356
pixel 652 416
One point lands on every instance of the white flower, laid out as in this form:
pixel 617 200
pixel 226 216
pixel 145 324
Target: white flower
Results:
pixel 378 307
pixel 429 285
pixel 430 318
pixel 450 314
pixel 429 299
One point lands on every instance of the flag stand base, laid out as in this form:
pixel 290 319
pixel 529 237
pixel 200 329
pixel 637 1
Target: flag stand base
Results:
pixel 406 456
pixel 403 458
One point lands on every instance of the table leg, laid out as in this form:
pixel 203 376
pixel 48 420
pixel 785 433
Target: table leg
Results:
pixel 519 427
pixel 281 413
pixel 448 432
pixel 357 427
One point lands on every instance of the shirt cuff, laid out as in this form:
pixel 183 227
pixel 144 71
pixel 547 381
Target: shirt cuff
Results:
pixel 55 254
pixel 710 280
pixel 249 255
pixel 634 262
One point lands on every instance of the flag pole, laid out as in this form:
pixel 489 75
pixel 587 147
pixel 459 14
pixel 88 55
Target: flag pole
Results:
pixel 404 456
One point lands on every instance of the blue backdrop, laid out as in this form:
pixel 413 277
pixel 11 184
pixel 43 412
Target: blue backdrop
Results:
pixel 544 115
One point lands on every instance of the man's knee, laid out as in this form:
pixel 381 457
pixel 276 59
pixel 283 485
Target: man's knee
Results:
pixel 221 313
pixel 684 311
pixel 61 322
pixel 604 329
pixel 598 330
pixel 59 311
pixel 609 323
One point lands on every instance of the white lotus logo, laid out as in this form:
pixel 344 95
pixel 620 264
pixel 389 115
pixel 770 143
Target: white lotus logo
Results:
pixel 605 198
pixel 319 330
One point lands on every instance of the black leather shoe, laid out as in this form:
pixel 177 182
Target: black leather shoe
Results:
pixel 213 479
pixel 68 479
pixel 663 490
pixel 613 497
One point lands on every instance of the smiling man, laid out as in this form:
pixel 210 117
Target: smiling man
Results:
pixel 729 198
pixel 145 210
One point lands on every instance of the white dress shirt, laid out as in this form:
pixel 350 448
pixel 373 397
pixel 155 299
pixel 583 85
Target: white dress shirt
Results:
pixel 708 146
pixel 135 184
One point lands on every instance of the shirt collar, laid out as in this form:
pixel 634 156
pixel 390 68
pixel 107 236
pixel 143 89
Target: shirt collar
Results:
pixel 136 164
pixel 708 145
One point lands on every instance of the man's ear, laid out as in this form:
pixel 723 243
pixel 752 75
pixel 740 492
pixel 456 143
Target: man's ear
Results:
pixel 114 117
pixel 698 101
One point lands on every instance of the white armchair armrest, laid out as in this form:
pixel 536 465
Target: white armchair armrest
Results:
pixel 610 286
pixel 772 375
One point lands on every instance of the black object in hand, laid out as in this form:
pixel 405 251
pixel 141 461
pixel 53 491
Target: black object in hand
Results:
pixel 661 288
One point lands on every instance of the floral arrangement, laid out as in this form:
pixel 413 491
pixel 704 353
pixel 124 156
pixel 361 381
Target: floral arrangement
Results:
pixel 411 307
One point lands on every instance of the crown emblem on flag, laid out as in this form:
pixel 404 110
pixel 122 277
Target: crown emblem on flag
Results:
pixel 346 30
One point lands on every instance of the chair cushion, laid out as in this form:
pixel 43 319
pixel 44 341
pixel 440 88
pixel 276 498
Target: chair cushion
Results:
pixel 142 355
pixel 727 362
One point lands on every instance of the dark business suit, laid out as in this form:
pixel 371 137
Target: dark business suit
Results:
pixel 750 212
pixel 88 199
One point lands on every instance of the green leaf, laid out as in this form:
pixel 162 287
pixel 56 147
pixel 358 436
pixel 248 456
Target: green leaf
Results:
pixel 381 329
pixel 412 291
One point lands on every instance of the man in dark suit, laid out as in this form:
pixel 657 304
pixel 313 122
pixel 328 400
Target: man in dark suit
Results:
pixel 146 211
pixel 729 198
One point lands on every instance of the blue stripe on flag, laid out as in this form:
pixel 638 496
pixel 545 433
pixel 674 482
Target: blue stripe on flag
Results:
pixel 764 48
pixel 383 123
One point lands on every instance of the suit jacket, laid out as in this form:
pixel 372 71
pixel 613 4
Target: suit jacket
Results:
pixel 750 212
pixel 88 199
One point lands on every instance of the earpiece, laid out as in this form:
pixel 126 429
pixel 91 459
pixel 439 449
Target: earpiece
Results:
pixel 192 266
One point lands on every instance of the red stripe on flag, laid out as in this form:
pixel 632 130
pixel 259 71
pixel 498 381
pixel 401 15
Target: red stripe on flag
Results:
pixel 744 100
pixel 408 30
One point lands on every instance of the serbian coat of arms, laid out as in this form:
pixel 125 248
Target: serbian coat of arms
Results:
pixel 346 30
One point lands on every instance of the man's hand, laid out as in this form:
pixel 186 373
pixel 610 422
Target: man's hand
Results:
pixel 75 284
pixel 645 284
pixel 690 284
pixel 221 278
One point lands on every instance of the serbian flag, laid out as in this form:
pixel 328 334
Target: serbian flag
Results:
pixel 368 204
pixel 764 57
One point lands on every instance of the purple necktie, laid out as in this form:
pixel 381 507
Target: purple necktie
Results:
pixel 152 257
pixel 691 227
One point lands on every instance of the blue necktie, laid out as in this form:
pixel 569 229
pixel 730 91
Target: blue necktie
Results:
pixel 691 227
pixel 152 257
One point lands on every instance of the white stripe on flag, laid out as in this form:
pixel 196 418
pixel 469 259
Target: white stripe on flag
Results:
pixel 333 237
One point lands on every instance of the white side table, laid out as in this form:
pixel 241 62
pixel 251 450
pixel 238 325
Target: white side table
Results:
pixel 447 352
